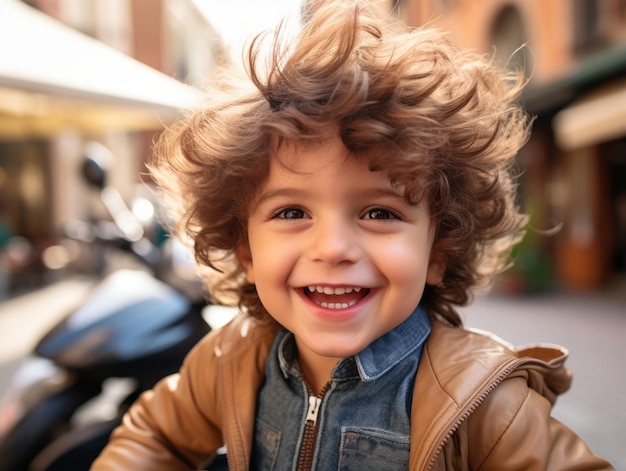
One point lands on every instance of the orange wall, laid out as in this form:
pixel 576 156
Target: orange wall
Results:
pixel 548 26
pixel 148 32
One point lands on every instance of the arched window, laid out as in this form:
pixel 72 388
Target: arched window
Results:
pixel 588 31
pixel 508 35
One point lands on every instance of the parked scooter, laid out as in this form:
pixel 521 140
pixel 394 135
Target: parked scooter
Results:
pixel 132 330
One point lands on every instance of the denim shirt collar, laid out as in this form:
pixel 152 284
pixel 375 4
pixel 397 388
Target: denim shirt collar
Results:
pixel 377 358
pixel 390 349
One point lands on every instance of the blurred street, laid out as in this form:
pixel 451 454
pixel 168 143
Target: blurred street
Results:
pixel 591 326
pixel 24 319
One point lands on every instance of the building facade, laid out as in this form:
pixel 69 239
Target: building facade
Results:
pixel 111 71
pixel 574 167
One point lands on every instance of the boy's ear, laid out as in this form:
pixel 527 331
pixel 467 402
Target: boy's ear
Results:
pixel 245 259
pixel 436 269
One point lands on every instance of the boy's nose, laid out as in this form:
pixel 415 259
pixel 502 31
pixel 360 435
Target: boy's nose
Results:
pixel 334 242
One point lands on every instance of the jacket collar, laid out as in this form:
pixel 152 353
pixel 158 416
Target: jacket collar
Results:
pixel 458 368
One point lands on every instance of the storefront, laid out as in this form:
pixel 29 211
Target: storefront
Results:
pixel 591 134
pixel 58 89
pixel 580 138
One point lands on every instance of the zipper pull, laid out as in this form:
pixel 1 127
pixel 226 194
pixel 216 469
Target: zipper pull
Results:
pixel 314 408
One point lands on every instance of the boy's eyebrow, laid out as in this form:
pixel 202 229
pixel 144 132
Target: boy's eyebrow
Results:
pixel 292 192
pixel 280 192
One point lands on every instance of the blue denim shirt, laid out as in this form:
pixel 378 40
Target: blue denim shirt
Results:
pixel 364 418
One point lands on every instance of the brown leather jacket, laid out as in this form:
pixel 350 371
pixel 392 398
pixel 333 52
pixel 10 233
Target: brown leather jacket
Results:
pixel 477 404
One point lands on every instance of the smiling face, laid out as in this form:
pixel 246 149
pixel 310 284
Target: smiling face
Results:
pixel 338 256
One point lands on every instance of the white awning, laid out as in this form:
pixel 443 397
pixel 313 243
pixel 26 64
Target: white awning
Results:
pixel 52 76
pixel 595 118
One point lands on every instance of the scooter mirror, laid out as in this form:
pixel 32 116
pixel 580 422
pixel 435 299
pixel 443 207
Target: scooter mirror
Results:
pixel 93 173
pixel 98 159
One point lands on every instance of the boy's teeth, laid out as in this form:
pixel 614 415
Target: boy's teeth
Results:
pixel 341 302
pixel 330 290
pixel 337 305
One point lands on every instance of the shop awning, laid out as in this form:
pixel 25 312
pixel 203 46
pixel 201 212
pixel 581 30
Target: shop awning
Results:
pixel 53 77
pixel 604 66
pixel 597 117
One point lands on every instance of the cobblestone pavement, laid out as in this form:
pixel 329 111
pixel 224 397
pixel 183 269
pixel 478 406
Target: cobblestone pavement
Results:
pixel 591 326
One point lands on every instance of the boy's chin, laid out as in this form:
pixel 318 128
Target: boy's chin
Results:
pixel 333 350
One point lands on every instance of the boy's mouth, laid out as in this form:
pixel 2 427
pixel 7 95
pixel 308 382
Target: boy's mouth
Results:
pixel 341 297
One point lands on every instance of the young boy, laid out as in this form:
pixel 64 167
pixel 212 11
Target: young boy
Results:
pixel 350 200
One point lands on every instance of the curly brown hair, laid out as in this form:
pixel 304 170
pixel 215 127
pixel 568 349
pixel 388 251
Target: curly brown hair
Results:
pixel 443 123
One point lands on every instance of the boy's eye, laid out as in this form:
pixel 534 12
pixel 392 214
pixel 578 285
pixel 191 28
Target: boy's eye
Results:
pixel 380 213
pixel 290 213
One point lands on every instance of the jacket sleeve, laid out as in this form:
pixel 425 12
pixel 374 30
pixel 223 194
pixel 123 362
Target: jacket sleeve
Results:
pixel 166 428
pixel 513 429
